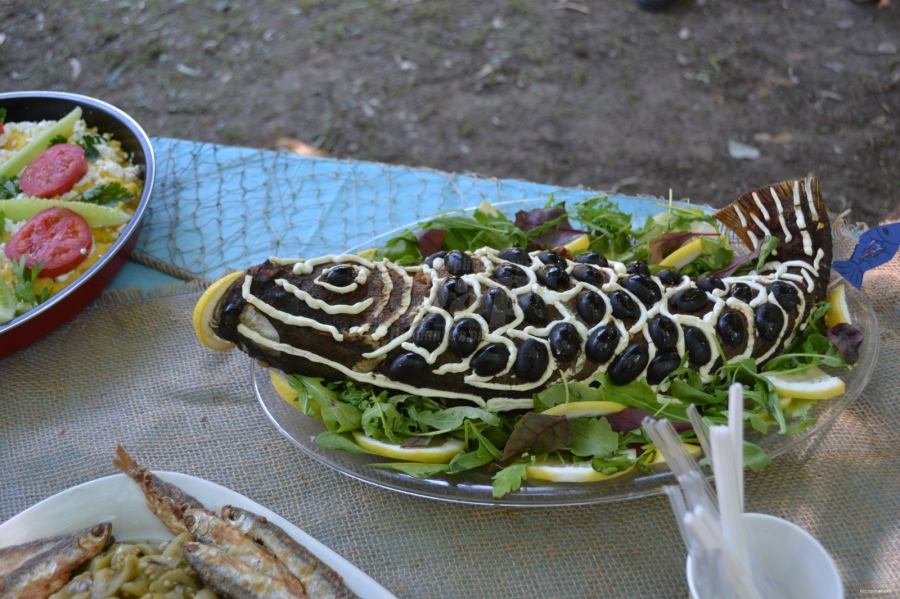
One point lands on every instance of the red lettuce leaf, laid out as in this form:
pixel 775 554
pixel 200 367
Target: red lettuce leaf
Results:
pixel 630 419
pixel 847 339
pixel 559 234
pixel 430 241
pixel 540 433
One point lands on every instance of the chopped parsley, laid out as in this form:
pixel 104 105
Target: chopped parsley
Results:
pixel 107 194
pixel 9 188
pixel 89 142
pixel 23 287
pixel 59 139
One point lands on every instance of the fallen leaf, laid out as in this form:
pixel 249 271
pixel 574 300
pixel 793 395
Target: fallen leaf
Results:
pixel 75 65
pixel 405 65
pixel 887 48
pixel 785 137
pixel 742 151
pixel 186 70
pixel 295 146
pixel 829 95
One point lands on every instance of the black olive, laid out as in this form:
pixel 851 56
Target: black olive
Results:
pixel 452 294
pixel 510 275
pixel 407 367
pixel 664 333
pixel 458 263
pixel 669 276
pixel 534 309
pixel 531 360
pixel 516 255
pixel 565 342
pixel 601 344
pixel 769 320
pixel 465 337
pixel 594 258
pixel 731 328
pixel 690 300
pixel 629 364
pixel 496 308
pixel 643 288
pixel 553 277
pixel 590 306
pixel 587 274
pixel 661 365
pixel 552 258
pixel 431 332
pixel 697 346
pixel 741 291
pixel 490 359
pixel 710 283
pixel 340 276
pixel 785 294
pixel 623 306
pixel 430 259
pixel 637 267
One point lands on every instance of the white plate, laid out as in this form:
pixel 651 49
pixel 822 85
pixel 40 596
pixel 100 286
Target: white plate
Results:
pixel 119 500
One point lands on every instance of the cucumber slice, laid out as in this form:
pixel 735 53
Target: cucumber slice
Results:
pixel 19 209
pixel 16 163
pixel 7 303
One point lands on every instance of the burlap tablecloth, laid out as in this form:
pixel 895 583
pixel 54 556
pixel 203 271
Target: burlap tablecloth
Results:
pixel 132 372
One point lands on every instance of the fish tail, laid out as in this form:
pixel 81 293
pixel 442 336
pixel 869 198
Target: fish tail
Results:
pixel 851 271
pixel 795 214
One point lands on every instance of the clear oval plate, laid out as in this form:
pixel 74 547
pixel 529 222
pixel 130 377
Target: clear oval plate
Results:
pixel 475 487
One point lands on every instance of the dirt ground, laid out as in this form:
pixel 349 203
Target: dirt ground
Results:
pixel 708 99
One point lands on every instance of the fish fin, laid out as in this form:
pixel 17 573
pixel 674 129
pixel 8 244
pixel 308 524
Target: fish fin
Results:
pixel 851 271
pixel 794 213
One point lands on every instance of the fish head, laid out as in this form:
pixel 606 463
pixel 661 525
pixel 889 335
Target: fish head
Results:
pixel 198 522
pixel 890 233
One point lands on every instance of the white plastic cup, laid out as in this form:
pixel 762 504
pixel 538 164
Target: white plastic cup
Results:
pixel 796 564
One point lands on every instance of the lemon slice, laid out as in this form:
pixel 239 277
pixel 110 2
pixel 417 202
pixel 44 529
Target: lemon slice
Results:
pixel 579 244
pixel 811 384
pixel 839 311
pixel 659 458
pixel 561 472
pixel 683 255
pixel 427 454
pixel 578 409
pixel 282 387
pixel 203 312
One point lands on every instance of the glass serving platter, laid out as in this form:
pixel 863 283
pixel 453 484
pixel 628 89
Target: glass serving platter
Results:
pixel 473 487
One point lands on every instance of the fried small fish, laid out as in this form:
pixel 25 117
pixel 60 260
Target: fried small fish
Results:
pixel 165 500
pixel 48 571
pixel 207 528
pixel 319 580
pixel 13 557
pixel 235 578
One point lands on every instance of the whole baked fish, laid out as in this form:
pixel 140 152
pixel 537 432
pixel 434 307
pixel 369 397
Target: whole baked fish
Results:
pixel 320 581
pixel 45 572
pixel 493 327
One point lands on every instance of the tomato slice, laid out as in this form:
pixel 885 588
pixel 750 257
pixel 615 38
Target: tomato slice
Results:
pixel 55 171
pixel 58 237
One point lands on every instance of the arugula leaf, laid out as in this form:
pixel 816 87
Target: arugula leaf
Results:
pixel 330 440
pixel 638 394
pixel 593 437
pixel 107 194
pixel 451 419
pixel 9 188
pixel 608 225
pixel 415 469
pixel 509 479
pixel 614 463
pixel 318 401
pixel 565 392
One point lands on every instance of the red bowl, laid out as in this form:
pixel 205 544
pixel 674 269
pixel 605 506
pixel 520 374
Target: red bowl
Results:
pixel 38 106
